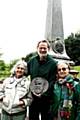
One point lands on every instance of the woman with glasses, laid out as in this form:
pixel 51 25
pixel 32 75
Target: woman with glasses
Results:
pixel 15 93
pixel 63 93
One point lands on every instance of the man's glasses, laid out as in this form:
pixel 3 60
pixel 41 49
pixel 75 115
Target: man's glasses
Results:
pixel 64 69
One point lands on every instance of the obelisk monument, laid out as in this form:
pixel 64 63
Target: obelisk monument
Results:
pixel 54 29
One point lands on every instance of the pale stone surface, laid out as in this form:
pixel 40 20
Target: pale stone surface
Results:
pixel 54 32
pixel 54 20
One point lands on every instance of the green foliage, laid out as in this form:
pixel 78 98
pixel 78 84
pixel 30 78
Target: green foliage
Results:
pixel 78 69
pixel 2 65
pixel 72 44
pixel 6 68
pixel 12 63
pixel 29 56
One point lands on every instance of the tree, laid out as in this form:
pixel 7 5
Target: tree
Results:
pixel 5 68
pixel 72 44
pixel 29 56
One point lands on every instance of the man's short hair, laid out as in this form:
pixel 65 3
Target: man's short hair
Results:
pixel 44 41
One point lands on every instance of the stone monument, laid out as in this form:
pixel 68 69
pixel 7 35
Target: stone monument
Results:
pixel 54 30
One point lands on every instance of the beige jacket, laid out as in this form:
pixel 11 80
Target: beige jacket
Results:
pixel 13 90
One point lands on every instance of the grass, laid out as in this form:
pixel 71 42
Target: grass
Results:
pixel 78 69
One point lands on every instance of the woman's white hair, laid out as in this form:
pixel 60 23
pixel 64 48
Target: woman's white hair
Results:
pixel 20 62
pixel 61 62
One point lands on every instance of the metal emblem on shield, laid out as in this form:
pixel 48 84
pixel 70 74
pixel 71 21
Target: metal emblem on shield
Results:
pixel 39 86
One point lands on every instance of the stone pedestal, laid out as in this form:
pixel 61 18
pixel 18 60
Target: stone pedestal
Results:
pixel 54 32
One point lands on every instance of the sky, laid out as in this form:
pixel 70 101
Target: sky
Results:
pixel 22 25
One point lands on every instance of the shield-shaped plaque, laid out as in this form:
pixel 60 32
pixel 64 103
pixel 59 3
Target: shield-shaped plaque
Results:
pixel 39 86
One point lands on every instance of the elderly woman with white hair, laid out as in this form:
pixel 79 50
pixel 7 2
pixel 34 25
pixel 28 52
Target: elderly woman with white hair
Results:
pixel 15 93
pixel 64 88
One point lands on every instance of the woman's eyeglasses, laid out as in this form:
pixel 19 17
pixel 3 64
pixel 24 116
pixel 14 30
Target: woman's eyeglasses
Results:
pixel 64 69
pixel 20 68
